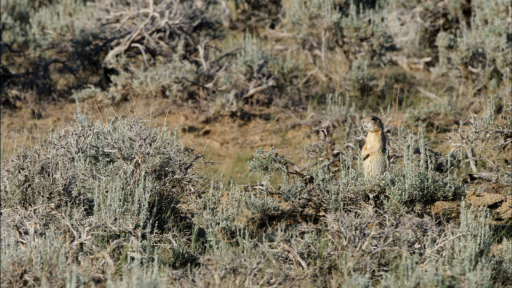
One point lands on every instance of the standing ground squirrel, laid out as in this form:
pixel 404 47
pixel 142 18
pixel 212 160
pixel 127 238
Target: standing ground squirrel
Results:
pixel 374 150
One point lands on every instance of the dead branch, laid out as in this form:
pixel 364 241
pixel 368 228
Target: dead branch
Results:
pixel 430 95
pixel 255 90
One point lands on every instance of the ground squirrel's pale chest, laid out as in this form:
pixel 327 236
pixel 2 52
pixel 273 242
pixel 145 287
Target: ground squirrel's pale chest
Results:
pixel 374 150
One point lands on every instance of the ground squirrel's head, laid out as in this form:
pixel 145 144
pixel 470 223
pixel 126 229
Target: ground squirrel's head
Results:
pixel 372 124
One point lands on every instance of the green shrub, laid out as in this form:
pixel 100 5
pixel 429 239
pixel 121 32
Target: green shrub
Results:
pixel 478 55
pixel 124 169
pixel 417 182
pixel 34 29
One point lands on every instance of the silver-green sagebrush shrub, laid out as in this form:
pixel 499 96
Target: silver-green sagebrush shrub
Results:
pixel 167 79
pixel 101 196
pixel 357 27
pixel 417 181
pixel 458 255
pixel 26 26
pixel 479 54
pixel 122 169
pixel 491 135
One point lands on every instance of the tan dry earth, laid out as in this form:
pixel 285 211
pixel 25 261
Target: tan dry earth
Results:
pixel 500 206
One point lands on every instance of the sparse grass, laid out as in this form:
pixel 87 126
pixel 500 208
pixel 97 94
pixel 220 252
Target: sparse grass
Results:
pixel 237 167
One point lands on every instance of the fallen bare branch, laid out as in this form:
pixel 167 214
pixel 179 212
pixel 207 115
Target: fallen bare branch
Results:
pixel 430 95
